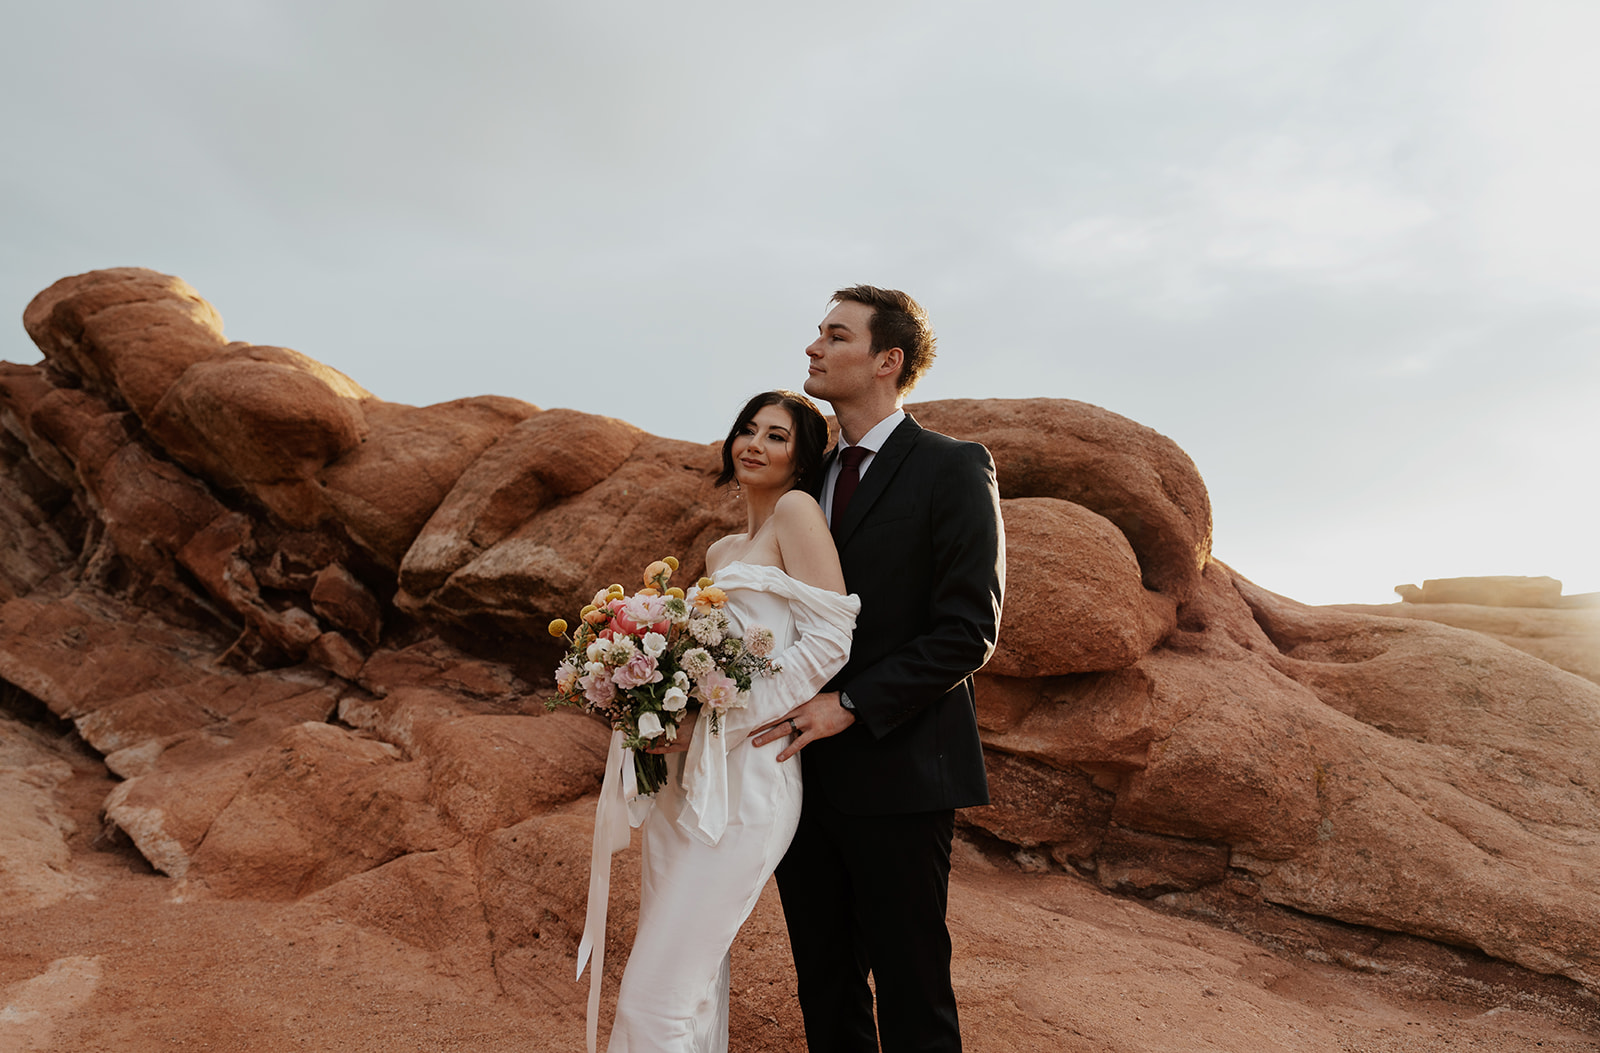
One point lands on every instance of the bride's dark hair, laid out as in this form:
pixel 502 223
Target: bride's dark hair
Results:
pixel 810 433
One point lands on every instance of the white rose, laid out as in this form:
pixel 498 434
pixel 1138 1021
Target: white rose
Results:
pixel 654 644
pixel 649 725
pixel 675 699
pixel 596 651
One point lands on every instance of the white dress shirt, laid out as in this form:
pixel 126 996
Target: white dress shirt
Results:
pixel 872 441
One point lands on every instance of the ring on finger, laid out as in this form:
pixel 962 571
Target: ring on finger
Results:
pixel 793 726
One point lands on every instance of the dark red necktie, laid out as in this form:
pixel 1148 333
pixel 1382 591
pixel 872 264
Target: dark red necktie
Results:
pixel 845 486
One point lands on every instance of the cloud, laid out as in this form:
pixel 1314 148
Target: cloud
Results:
pixel 1316 245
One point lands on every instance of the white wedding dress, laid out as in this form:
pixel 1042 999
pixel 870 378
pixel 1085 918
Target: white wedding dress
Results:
pixel 715 832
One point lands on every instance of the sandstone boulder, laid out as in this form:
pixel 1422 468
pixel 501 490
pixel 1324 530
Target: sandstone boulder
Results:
pixel 658 502
pixel 320 805
pixel 427 900
pixel 1075 602
pixel 547 457
pixel 1310 746
pixel 534 884
pixel 1472 777
pixel 35 863
pixel 313 648
pixel 384 491
pixel 1133 476
pixel 1501 591
pixel 487 772
pixel 126 333
pixel 88 650
pixel 264 420
pixel 1567 637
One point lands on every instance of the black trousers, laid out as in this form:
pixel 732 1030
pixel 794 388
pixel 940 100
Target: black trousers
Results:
pixel 867 893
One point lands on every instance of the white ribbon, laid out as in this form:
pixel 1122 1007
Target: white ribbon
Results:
pixel 620 807
pixel 705 783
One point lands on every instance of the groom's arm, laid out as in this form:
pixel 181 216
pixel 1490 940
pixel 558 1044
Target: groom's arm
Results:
pixel 968 575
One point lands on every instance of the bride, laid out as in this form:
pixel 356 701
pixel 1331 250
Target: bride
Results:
pixel 719 825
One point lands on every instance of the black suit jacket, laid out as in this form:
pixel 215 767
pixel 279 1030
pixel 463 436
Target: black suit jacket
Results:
pixel 922 545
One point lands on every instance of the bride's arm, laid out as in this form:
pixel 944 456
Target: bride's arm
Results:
pixel 806 548
pixel 804 542
pixel 822 645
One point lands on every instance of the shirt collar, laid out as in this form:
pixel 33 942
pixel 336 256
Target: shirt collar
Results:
pixel 874 439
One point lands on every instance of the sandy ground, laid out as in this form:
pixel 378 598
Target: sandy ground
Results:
pixel 133 963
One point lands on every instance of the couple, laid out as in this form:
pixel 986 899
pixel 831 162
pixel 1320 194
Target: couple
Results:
pixel 873 701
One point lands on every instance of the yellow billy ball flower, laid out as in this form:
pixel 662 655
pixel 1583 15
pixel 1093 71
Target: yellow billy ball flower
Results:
pixel 558 627
pixel 671 561
pixel 675 592
pixel 586 610
pixel 704 583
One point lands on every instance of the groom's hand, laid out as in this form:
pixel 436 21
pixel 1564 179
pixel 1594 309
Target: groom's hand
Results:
pixel 823 717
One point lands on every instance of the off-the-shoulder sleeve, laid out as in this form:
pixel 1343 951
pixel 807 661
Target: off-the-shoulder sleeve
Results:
pixel 823 624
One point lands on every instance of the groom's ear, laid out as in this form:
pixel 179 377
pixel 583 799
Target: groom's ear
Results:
pixel 889 362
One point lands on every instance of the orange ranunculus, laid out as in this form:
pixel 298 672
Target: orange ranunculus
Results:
pixel 710 596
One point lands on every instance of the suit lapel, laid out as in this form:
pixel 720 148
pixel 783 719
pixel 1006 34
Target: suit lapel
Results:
pixel 885 463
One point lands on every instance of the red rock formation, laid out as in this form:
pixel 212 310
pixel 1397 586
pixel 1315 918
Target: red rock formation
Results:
pixel 303 625
pixel 1494 591
pixel 1567 637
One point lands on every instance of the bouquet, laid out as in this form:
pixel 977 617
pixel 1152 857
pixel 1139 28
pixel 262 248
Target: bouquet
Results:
pixel 642 661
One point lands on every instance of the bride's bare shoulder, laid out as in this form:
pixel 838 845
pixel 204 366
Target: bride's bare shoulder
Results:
pixel 804 542
pixel 719 551
pixel 798 506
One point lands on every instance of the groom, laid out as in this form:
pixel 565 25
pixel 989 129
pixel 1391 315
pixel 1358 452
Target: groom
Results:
pixel 891 749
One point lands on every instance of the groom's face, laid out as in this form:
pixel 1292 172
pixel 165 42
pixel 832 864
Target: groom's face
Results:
pixel 842 362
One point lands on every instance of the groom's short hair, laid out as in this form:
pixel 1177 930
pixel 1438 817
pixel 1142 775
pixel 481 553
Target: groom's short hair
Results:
pixel 897 321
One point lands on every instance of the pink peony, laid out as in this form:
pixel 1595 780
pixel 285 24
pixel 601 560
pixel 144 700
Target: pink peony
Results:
pixel 642 614
pixel 598 688
pixel 637 672
pixel 718 690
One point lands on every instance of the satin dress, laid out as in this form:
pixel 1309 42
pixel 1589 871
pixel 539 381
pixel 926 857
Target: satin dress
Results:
pixel 716 831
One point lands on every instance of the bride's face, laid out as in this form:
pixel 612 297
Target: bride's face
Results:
pixel 763 454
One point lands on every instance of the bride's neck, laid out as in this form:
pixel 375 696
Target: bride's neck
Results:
pixel 758 507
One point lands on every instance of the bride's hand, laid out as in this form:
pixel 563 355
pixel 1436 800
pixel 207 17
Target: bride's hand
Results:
pixel 685 733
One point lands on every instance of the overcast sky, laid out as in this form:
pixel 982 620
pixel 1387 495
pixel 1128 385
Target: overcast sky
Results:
pixel 1343 254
